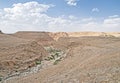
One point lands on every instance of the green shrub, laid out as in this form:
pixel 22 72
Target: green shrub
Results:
pixel 0 78
pixel 53 57
pixel 57 54
pixel 38 62
pixel 56 62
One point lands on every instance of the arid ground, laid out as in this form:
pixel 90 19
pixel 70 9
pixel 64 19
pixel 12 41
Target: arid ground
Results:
pixel 61 57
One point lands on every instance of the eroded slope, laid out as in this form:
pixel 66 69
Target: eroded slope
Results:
pixel 17 54
pixel 88 60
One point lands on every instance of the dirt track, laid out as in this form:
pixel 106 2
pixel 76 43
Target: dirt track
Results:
pixel 89 59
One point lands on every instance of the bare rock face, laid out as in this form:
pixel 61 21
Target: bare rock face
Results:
pixel 57 35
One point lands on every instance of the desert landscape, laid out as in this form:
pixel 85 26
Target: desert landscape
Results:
pixel 60 57
pixel 59 41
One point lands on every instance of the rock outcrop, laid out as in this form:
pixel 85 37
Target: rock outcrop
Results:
pixel 57 35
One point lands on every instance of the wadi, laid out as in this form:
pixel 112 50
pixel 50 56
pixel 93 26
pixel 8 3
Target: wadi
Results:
pixel 60 57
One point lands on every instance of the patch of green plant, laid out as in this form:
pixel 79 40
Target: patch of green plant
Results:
pixel 53 57
pixel 38 62
pixel 49 58
pixel 46 59
pixel 56 61
pixel 1 78
pixel 57 54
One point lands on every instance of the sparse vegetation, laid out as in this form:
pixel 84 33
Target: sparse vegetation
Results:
pixel 38 62
pixel 55 55
pixel 1 78
pixel 56 61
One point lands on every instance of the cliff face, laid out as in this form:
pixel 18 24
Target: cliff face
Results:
pixel 57 35
pixel 108 34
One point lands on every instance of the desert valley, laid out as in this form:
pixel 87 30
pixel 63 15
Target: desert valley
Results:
pixel 60 57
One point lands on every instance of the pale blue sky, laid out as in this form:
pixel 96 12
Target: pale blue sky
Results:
pixel 92 10
pixel 82 9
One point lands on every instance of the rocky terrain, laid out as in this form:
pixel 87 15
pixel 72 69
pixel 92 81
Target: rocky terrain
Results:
pixel 61 57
